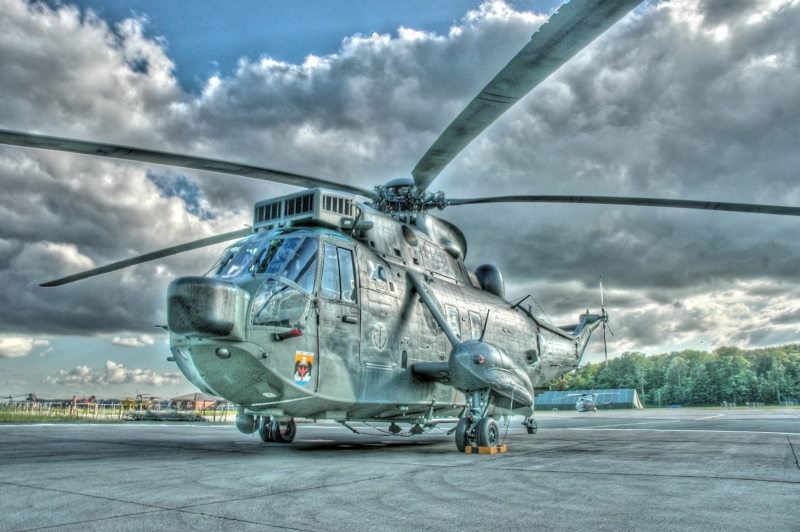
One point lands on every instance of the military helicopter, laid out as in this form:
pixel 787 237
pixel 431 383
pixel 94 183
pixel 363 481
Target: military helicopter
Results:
pixel 586 402
pixel 331 307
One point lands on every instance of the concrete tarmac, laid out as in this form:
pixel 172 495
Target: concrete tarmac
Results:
pixel 671 469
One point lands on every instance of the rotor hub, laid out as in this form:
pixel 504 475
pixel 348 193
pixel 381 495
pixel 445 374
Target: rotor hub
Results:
pixel 401 195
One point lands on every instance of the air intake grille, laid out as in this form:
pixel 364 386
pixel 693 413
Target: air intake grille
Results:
pixel 308 207
pixel 338 205
pixel 266 213
pixel 300 205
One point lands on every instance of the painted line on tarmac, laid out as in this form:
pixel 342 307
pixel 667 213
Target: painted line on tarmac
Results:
pixel 625 424
pixel 117 425
pixel 709 417
pixel 695 430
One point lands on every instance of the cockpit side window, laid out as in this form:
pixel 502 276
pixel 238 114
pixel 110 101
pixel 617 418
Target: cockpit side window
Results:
pixel 338 274
pixel 347 275
pixel 330 273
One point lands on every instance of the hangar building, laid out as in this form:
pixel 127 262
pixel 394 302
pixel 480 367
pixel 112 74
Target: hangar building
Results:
pixel 605 399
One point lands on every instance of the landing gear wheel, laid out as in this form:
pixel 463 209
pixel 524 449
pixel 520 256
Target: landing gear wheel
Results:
pixel 283 433
pixel 532 427
pixel 264 430
pixel 462 438
pixel 487 433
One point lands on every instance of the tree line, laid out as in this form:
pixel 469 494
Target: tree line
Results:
pixel 769 375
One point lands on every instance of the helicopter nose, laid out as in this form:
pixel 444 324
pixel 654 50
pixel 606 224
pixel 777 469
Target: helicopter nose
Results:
pixel 204 307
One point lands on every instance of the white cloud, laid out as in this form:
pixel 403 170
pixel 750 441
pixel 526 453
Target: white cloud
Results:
pixel 141 341
pixel 113 374
pixel 681 99
pixel 19 346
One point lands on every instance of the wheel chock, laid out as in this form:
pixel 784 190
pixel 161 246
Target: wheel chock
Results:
pixel 486 450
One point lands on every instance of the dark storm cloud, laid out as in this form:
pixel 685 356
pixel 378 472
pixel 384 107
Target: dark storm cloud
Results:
pixel 680 99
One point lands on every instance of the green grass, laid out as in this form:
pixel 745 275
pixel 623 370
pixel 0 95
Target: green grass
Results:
pixel 11 414
pixel 24 417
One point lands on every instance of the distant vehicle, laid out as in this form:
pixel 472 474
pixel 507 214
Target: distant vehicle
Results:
pixel 674 405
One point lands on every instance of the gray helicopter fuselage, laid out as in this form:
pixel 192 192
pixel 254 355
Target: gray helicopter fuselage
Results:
pixel 359 324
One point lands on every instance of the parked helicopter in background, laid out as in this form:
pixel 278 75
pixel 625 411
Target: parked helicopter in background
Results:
pixel 331 307
pixel 586 402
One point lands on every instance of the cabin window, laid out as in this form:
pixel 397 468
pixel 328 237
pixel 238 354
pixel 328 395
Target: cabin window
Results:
pixel 475 328
pixel 453 319
pixel 338 274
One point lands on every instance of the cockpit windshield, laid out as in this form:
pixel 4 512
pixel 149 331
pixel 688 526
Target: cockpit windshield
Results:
pixel 238 260
pixel 274 254
pixel 288 262
pixel 271 257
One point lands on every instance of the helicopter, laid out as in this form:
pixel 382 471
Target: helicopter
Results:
pixel 331 307
pixel 586 402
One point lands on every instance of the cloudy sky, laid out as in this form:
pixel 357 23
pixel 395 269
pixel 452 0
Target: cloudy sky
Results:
pixel 681 99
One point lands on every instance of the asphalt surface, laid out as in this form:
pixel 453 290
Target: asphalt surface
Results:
pixel 682 469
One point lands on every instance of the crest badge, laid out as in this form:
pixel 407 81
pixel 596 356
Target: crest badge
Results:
pixel 303 364
pixel 380 336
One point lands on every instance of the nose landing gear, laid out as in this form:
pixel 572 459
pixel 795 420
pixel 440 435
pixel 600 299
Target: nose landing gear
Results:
pixel 476 429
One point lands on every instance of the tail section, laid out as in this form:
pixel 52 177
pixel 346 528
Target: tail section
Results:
pixel 589 322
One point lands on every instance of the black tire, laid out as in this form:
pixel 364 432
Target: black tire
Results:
pixel 283 433
pixel 246 423
pixel 462 439
pixel 264 429
pixel 487 433
pixel 532 428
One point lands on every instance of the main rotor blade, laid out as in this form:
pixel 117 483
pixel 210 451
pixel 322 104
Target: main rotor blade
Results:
pixel 113 151
pixel 174 250
pixel 567 32
pixel 640 202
